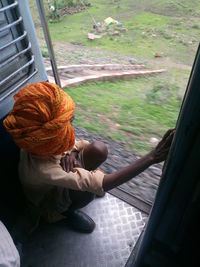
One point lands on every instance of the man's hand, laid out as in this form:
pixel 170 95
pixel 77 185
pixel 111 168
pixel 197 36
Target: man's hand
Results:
pixel 123 175
pixel 161 151
pixel 70 161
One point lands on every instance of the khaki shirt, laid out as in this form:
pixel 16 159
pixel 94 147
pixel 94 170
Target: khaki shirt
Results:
pixel 46 184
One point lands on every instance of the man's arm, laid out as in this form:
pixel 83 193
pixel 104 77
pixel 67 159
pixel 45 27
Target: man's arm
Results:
pixel 123 175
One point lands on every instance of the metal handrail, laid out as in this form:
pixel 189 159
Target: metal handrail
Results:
pixel 15 56
pixel 14 41
pixel 8 26
pixel 47 37
pixel 9 6
pixel 18 86
pixel 17 71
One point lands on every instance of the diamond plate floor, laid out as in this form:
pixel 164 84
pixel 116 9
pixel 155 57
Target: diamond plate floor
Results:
pixel 118 226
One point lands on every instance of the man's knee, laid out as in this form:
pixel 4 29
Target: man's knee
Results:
pixel 100 150
pixel 94 155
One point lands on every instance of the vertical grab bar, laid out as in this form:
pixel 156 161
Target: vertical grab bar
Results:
pixel 47 37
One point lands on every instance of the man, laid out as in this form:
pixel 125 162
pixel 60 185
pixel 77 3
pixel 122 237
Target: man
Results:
pixel 59 174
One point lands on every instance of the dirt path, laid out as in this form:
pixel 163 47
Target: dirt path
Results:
pixel 67 54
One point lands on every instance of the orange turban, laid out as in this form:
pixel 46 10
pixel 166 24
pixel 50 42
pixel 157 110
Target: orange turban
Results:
pixel 40 120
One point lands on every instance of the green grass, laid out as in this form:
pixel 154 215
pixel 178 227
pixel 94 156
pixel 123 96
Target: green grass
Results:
pixel 153 26
pixel 147 32
pixel 134 111
pixel 128 111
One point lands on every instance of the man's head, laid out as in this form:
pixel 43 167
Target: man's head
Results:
pixel 40 119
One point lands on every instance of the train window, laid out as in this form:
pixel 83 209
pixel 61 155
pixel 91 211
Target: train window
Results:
pixel 17 62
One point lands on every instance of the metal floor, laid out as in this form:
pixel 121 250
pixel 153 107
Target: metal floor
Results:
pixel 118 226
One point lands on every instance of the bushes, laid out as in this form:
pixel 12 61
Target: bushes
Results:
pixel 65 3
pixel 161 93
pixel 56 6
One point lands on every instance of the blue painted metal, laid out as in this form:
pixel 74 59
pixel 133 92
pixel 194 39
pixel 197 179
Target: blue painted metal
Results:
pixel 38 73
pixel 32 36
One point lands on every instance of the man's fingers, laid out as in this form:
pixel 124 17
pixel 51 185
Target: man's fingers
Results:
pixel 67 163
pixel 169 139
pixel 71 164
pixel 168 133
pixel 63 164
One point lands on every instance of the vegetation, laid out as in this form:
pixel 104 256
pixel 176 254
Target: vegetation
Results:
pixel 149 29
pixel 127 110
pixel 134 111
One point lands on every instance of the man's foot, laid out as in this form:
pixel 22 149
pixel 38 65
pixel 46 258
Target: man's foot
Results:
pixel 101 195
pixel 79 221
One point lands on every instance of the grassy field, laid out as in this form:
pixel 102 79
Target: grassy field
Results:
pixel 168 27
pixel 134 111
pixel 127 111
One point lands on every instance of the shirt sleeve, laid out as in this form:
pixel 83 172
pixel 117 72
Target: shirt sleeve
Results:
pixel 80 145
pixel 79 179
